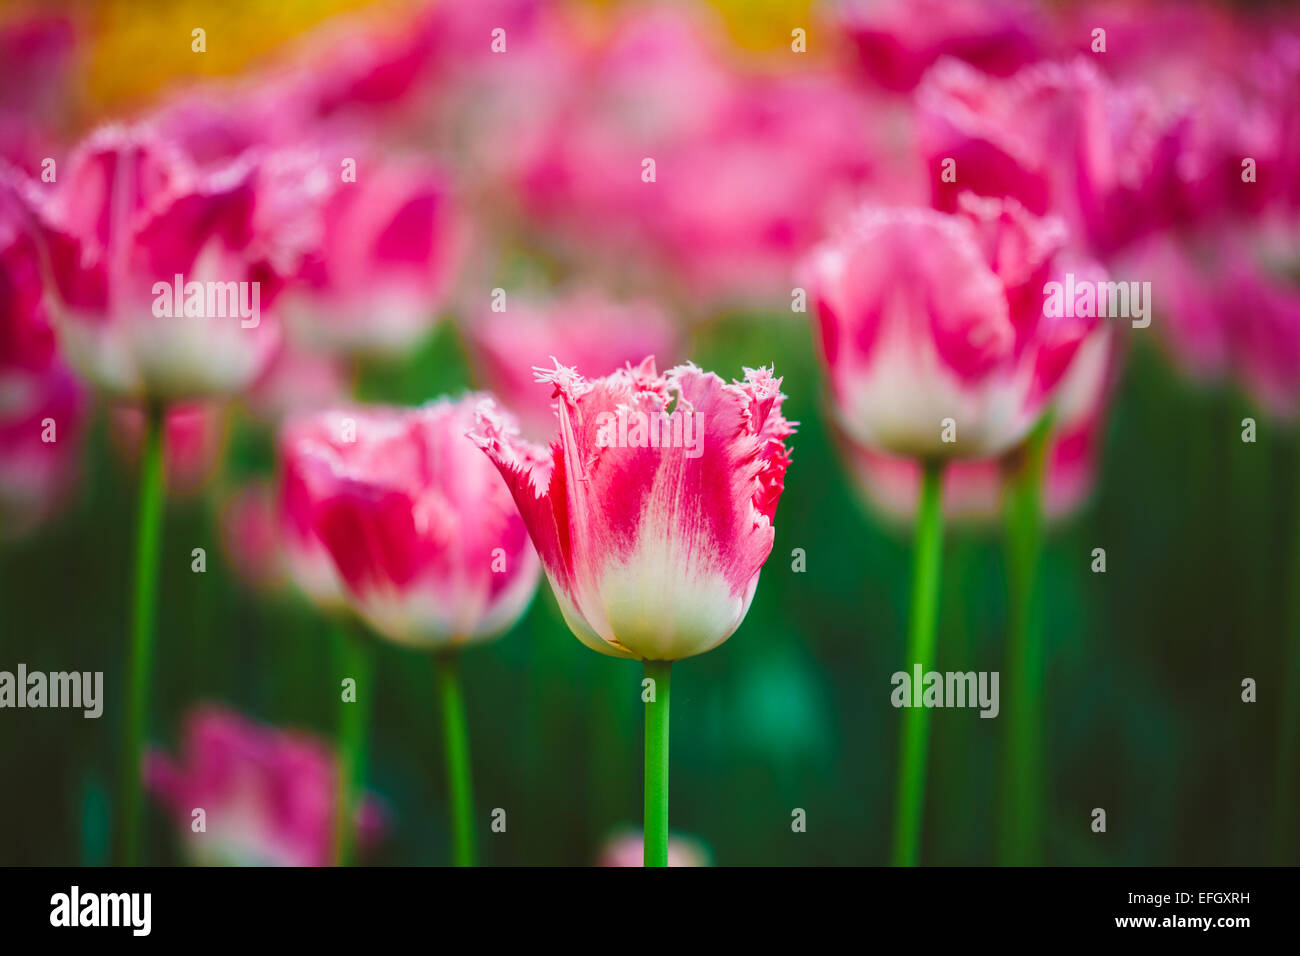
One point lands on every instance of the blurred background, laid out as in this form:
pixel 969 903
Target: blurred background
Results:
pixel 763 146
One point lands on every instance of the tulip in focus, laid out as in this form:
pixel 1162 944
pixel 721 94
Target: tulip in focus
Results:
pixel 652 511
pixel 268 796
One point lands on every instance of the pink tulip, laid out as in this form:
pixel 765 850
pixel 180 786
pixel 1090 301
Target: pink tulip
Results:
pixel 628 849
pixel 298 380
pixel 748 169
pixel 430 548
pixel 388 253
pixel 1056 137
pixel 652 528
pixel 42 408
pixel 972 488
pixel 268 797
pixel 194 436
pixel 579 327
pixel 251 535
pixel 1229 309
pixel 932 327
pixel 896 41
pixel 129 215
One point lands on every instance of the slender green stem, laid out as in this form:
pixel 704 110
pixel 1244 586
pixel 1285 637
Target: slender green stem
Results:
pixel 656 764
pixel 353 662
pixel 1022 765
pixel 456 731
pixel 927 560
pixel 139 667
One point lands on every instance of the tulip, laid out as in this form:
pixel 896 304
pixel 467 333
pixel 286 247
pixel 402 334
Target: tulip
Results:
pixel 390 243
pixel 936 346
pixel 42 407
pixel 652 526
pixel 267 796
pixel 896 41
pixel 193 438
pixel 432 552
pixel 157 274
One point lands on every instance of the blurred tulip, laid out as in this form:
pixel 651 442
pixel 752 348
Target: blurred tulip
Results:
pixel 389 249
pixel 42 407
pixel 298 380
pixel 579 327
pixel 430 547
pixel 972 488
pixel 129 216
pixel 628 849
pixel 194 436
pixel 268 797
pixel 1056 137
pixel 896 41
pixel 250 534
pixel 653 550
pixel 926 318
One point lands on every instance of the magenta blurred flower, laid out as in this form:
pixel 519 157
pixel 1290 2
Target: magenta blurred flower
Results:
pixel 896 41
pixel 250 533
pixel 269 797
pixel 194 436
pixel 628 849
pixel 1228 307
pixel 389 248
pixel 927 319
pixel 972 488
pixel 425 537
pixel 748 169
pixel 131 222
pixel 298 380
pixel 580 327
pixel 652 526
pixel 1056 137
pixel 42 407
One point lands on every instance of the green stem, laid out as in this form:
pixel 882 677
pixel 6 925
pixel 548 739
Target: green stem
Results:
pixel 353 657
pixel 927 561
pixel 456 732
pixel 1022 766
pixel 656 764
pixel 144 612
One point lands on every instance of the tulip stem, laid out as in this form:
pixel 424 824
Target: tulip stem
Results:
pixel 144 613
pixel 656 763
pixel 1022 783
pixel 927 560
pixel 456 733
pixel 353 661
